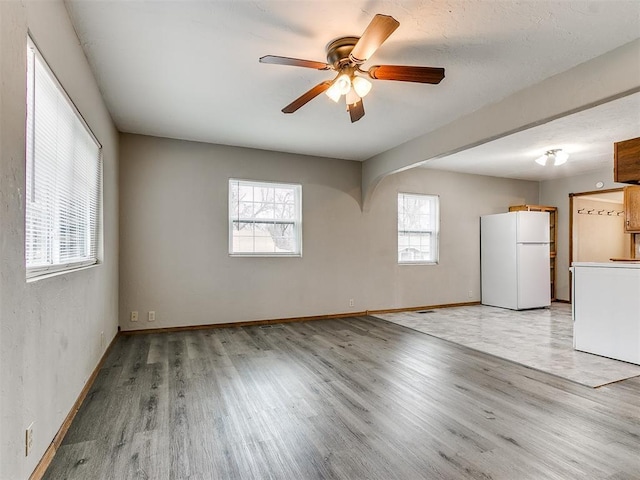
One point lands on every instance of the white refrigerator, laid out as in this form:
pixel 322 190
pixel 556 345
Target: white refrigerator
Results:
pixel 514 260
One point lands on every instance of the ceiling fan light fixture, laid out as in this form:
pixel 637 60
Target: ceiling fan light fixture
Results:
pixel 542 160
pixel 352 98
pixel 560 157
pixel 334 93
pixel 557 156
pixel 362 86
pixel 343 84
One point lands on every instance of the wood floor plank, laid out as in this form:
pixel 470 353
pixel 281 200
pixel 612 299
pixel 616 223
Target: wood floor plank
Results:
pixel 340 399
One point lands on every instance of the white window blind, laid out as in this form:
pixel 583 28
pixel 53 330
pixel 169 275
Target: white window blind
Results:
pixel 265 218
pixel 418 225
pixel 63 177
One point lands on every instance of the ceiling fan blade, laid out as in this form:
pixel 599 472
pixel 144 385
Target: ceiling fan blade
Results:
pixel 294 62
pixel 375 34
pixel 403 73
pixel 356 110
pixel 307 97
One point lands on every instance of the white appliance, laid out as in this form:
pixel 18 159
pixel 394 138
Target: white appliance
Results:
pixel 606 309
pixel 514 260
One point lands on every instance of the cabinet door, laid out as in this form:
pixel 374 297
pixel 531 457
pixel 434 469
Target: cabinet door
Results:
pixel 626 161
pixel 632 209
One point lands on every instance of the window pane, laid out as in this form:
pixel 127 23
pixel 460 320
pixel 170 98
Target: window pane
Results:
pixel 273 215
pixel 264 195
pixel 417 228
pixel 263 210
pixel 424 222
pixel 63 175
pixel 245 193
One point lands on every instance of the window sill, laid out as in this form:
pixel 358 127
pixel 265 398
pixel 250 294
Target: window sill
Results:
pixel 57 273
pixel 417 263
pixel 264 255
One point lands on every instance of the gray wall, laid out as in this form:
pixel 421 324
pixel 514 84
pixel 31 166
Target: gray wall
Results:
pixel 463 198
pixel 556 193
pixel 174 237
pixel 49 329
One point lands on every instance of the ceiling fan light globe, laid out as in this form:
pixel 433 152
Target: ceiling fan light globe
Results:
pixel 352 97
pixel 333 93
pixel 343 84
pixel 362 86
pixel 542 160
pixel 560 158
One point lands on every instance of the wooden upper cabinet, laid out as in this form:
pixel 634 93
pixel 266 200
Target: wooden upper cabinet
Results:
pixel 626 161
pixel 632 209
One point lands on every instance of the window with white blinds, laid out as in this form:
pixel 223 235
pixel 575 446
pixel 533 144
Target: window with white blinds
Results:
pixel 265 218
pixel 63 177
pixel 418 225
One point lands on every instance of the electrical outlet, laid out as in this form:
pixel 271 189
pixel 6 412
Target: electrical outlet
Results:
pixel 102 340
pixel 28 440
pixel 134 316
pixel 470 293
pixel 351 302
pixel 152 316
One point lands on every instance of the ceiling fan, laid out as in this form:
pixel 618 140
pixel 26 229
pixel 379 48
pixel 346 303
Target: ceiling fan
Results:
pixel 345 55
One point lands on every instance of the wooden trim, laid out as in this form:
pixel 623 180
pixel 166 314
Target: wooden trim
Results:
pixel 571 195
pixel 594 192
pixel 50 452
pixel 559 300
pixel 254 323
pixel 250 323
pixel 528 208
pixel 44 463
pixel 424 307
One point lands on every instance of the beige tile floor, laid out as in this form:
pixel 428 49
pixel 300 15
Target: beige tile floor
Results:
pixel 539 338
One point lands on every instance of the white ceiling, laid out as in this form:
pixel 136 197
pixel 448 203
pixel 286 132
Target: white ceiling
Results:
pixel 189 69
pixel 587 137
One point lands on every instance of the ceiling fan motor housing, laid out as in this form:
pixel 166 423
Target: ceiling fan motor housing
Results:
pixel 338 51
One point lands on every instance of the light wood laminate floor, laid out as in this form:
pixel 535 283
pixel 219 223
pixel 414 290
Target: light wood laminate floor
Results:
pixel 540 338
pixel 356 398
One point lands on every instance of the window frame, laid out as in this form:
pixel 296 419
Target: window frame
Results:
pixel 92 222
pixel 296 222
pixel 434 231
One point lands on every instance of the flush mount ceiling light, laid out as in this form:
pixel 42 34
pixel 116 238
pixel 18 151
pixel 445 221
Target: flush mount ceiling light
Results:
pixel 557 156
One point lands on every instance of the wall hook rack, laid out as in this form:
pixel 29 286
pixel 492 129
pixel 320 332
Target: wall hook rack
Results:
pixel 593 211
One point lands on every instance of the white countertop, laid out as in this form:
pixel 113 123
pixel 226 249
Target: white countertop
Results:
pixel 607 264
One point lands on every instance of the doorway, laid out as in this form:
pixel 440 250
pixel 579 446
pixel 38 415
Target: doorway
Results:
pixel 596 229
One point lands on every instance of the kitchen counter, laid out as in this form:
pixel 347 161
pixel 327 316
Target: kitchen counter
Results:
pixel 606 309
pixel 616 264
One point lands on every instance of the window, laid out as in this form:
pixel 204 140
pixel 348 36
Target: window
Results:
pixel 63 177
pixel 265 218
pixel 417 228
